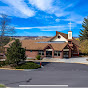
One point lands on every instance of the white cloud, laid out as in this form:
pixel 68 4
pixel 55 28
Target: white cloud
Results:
pixel 42 4
pixel 43 27
pixel 46 28
pixel 58 28
pixel 17 7
pixel 57 20
pixel 0 16
pixel 78 19
pixel 59 10
pixel 75 18
pixel 47 6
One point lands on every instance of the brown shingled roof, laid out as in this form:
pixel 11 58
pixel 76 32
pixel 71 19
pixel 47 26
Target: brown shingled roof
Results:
pixel 7 45
pixel 29 40
pixel 33 45
pixel 75 42
pixel 63 34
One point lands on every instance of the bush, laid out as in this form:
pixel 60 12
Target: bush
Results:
pixel 28 65
pixel 2 63
pixel 38 57
pixel 1 85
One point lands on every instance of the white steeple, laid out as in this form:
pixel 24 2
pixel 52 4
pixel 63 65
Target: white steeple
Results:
pixel 70 32
pixel 70 25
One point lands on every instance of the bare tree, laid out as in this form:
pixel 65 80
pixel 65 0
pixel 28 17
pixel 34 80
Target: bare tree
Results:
pixel 5 29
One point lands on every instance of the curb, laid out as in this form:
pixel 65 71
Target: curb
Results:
pixel 81 63
pixel 12 69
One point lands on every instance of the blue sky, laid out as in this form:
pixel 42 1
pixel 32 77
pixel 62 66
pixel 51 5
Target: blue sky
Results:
pixel 45 17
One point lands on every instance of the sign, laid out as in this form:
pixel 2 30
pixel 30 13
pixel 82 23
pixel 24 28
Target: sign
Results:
pixel 66 50
pixel 49 49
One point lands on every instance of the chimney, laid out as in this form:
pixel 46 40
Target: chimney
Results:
pixel 56 32
pixel 69 34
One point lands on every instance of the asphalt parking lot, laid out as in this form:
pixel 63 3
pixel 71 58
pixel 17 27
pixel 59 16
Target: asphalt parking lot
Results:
pixel 73 75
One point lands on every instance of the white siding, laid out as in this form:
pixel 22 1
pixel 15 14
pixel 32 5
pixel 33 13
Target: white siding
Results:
pixel 70 35
pixel 59 39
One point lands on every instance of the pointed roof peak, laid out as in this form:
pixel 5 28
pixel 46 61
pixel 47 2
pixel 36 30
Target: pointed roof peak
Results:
pixel 63 34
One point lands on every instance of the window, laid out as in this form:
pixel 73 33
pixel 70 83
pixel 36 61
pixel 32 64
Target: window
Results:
pixel 56 53
pixel 69 34
pixel 41 52
pixel 69 42
pixel 30 50
pixel 59 37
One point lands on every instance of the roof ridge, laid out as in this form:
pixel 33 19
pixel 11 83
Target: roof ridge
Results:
pixel 61 32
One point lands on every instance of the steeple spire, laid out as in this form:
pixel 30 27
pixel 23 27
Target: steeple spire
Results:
pixel 70 25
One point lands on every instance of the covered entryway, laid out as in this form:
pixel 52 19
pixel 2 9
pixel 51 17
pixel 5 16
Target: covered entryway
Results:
pixel 66 54
pixel 48 53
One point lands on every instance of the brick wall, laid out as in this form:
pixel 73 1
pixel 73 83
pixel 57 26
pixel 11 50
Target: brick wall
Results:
pixel 61 54
pixel 76 50
pixel 31 54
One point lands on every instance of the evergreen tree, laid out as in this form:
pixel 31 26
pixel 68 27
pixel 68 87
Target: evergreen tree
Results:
pixel 84 32
pixel 15 53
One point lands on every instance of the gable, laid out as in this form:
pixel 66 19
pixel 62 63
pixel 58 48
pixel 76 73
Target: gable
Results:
pixel 59 37
pixel 66 47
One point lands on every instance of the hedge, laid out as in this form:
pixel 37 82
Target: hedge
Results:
pixel 2 63
pixel 28 65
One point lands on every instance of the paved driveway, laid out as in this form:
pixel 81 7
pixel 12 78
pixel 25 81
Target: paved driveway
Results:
pixel 73 75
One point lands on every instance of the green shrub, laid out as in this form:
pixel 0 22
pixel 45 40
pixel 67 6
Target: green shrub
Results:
pixel 38 57
pixel 1 85
pixel 2 63
pixel 28 65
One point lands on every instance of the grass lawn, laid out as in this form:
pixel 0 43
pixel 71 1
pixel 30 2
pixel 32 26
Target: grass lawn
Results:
pixel 28 65
pixel 1 85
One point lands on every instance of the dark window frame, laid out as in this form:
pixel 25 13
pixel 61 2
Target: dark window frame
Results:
pixel 56 53
pixel 40 52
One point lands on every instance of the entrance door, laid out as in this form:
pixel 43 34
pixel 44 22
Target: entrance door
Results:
pixel 48 53
pixel 66 54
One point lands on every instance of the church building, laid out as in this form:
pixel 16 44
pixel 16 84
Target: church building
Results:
pixel 60 46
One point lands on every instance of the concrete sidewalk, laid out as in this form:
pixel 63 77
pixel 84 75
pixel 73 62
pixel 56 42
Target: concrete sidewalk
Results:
pixel 81 60
pixel 74 59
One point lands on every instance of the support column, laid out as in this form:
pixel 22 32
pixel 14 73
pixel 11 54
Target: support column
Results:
pixel 78 51
pixel 52 53
pixel 61 54
pixel 44 53
pixel 69 53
